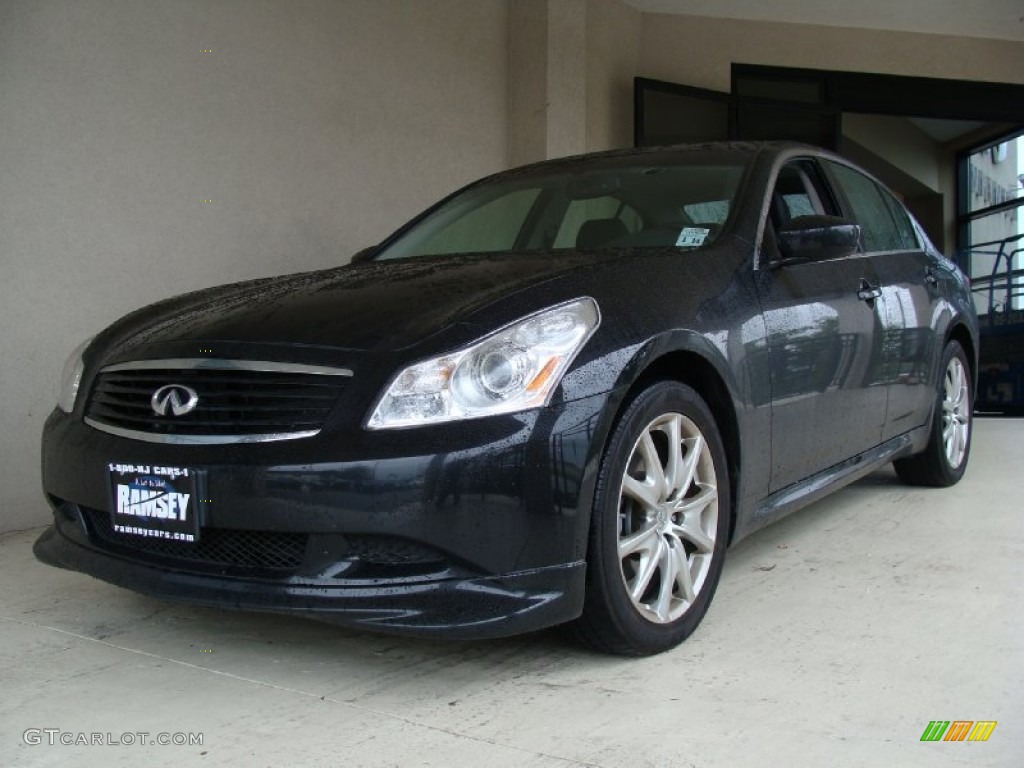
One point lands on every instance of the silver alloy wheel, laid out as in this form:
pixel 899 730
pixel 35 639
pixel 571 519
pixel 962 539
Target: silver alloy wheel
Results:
pixel 956 413
pixel 668 518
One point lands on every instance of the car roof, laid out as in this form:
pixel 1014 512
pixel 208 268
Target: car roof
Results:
pixel 741 149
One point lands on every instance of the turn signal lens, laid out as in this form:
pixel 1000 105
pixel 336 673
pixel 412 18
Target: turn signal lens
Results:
pixel 71 378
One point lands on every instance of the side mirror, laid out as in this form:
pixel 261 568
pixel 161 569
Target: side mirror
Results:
pixel 817 238
pixel 364 255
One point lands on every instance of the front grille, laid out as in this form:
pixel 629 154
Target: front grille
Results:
pixel 220 547
pixel 237 400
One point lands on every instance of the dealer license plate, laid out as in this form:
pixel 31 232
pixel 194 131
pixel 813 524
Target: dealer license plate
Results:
pixel 154 502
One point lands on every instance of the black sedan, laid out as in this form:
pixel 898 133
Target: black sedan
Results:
pixel 554 397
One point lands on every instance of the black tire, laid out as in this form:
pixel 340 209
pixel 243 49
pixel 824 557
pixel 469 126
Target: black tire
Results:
pixel 689 521
pixel 943 463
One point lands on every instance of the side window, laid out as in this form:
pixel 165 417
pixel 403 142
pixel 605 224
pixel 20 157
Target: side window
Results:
pixel 870 209
pixel 904 226
pixel 797 193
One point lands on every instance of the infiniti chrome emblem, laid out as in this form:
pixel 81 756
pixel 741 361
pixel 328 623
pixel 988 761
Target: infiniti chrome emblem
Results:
pixel 177 398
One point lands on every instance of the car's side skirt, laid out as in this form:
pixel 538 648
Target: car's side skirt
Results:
pixel 804 492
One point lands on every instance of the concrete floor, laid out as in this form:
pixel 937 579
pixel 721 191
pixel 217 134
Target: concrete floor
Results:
pixel 836 636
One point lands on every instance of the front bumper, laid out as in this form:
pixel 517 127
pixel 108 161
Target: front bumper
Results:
pixel 376 530
pixel 458 608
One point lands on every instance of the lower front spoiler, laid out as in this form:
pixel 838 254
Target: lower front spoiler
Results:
pixel 459 609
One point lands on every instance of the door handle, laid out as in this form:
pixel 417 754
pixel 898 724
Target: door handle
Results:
pixel 868 292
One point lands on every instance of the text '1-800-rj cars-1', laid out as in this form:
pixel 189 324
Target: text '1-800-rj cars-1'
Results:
pixel 553 398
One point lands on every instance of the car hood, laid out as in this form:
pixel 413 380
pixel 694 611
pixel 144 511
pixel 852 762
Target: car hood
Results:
pixel 370 306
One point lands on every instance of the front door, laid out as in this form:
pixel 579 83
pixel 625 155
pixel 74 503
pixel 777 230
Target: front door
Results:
pixel 824 343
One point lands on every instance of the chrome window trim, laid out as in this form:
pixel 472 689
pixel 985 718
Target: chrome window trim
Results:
pixel 153 437
pixel 199 363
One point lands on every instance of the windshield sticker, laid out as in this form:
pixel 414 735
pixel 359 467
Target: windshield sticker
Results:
pixel 692 237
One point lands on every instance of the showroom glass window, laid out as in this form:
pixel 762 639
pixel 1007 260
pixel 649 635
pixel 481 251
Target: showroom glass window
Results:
pixel 990 201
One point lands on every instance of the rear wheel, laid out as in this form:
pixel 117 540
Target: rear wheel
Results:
pixel 944 460
pixel 659 525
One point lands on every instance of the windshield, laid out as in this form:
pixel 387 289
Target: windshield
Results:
pixel 624 203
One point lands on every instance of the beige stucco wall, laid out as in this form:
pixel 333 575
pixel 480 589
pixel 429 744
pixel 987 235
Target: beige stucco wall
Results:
pixel 613 56
pixel 571 69
pixel 900 142
pixel 314 126
pixel 527 82
pixel 699 51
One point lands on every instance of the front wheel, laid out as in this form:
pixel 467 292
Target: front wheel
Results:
pixel 659 525
pixel 944 460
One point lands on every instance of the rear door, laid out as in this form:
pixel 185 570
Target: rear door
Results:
pixel 909 292
pixel 824 341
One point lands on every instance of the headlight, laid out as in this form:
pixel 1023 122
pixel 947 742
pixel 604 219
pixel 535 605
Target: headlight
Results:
pixel 513 369
pixel 71 377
